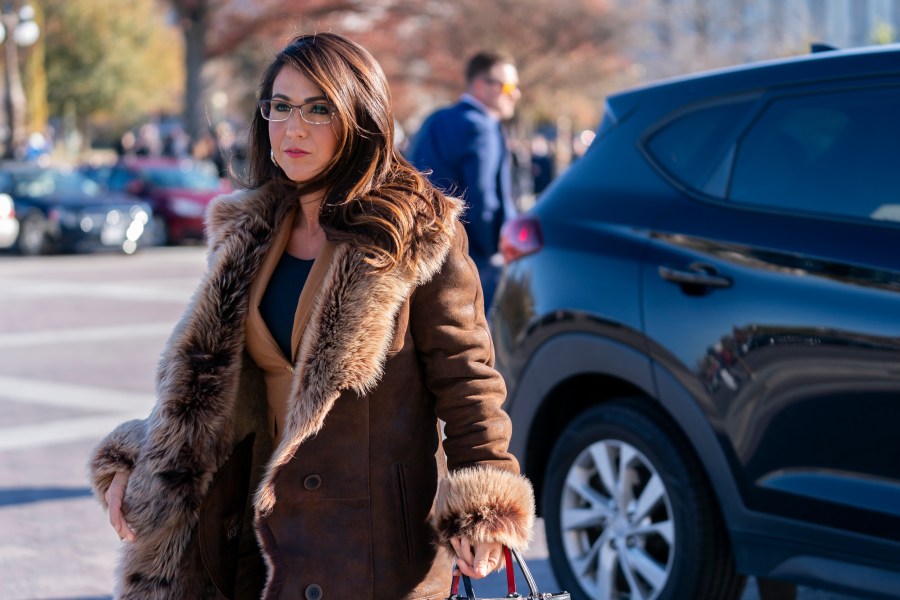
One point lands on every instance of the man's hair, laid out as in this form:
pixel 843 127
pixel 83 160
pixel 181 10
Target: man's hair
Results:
pixel 481 64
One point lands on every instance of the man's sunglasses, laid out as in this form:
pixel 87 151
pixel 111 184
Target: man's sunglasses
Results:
pixel 507 87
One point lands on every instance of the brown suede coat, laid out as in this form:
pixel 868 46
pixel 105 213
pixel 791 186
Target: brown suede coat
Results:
pixel 361 490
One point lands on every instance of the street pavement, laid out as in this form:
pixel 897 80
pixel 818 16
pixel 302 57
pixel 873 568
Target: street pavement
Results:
pixel 80 337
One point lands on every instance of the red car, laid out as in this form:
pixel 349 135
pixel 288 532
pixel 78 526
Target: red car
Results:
pixel 178 190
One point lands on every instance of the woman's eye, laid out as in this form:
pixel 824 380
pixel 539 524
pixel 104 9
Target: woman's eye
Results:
pixel 319 109
pixel 281 106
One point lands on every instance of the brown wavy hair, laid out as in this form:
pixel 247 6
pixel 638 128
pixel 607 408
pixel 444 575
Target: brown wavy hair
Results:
pixel 373 197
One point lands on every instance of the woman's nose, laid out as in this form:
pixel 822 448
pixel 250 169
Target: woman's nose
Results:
pixel 296 125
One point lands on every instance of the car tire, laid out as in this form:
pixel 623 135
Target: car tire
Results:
pixel 661 534
pixel 32 239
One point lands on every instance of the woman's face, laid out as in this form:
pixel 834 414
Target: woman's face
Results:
pixel 301 149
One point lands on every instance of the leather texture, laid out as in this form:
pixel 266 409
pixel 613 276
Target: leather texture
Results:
pixel 222 517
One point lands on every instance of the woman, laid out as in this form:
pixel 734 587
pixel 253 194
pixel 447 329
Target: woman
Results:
pixel 340 317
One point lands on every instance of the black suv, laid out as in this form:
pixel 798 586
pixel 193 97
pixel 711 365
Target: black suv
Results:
pixel 699 325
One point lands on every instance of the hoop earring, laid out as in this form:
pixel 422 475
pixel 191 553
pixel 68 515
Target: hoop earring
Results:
pixel 272 156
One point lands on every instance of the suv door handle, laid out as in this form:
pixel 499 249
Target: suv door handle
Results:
pixel 696 274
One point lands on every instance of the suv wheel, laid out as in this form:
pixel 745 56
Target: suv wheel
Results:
pixel 628 514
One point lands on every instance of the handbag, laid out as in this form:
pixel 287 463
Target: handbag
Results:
pixel 510 582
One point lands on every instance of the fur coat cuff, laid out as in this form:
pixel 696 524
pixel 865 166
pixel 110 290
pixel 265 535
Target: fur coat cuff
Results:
pixel 118 451
pixel 485 504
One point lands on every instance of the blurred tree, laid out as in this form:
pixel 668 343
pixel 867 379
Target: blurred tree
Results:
pixel 563 47
pixel 110 63
pixel 564 51
pixel 34 78
pixel 213 28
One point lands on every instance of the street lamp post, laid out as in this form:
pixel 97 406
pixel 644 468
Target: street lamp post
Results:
pixel 17 28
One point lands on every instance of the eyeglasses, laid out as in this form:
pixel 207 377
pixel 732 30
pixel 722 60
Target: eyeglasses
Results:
pixel 314 113
pixel 507 87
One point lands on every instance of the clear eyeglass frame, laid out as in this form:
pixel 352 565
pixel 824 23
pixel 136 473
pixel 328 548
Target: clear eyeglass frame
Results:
pixel 318 112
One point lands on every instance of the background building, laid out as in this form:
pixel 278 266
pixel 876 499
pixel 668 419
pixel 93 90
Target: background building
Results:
pixel 672 37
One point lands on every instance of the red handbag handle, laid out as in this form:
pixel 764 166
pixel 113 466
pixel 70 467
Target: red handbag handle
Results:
pixel 508 554
pixel 510 577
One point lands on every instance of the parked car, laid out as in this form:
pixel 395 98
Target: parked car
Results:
pixel 59 210
pixel 178 190
pixel 699 325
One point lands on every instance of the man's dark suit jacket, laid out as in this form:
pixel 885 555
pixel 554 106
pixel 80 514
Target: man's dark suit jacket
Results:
pixel 465 150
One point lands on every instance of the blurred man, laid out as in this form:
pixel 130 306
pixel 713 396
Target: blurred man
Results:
pixel 465 151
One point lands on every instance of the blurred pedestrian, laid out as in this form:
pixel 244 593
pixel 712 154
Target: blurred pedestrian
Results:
pixel 149 141
pixel 542 163
pixel 339 319
pixel 176 142
pixel 127 145
pixel 464 150
pixel 37 148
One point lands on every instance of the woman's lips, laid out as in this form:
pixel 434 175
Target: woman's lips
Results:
pixel 296 153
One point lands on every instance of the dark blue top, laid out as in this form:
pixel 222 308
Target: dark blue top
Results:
pixel 279 303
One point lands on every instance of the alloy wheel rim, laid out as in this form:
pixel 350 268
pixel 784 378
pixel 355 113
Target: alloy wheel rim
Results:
pixel 617 524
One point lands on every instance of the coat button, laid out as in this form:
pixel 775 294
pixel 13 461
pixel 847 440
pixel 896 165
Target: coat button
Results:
pixel 312 482
pixel 313 592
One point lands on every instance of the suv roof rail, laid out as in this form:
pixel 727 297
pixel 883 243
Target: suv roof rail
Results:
pixel 815 47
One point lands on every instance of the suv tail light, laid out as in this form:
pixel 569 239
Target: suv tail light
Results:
pixel 520 237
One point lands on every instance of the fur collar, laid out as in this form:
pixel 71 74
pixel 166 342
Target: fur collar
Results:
pixel 344 345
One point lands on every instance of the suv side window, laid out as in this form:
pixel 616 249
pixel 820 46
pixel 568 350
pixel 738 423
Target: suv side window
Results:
pixel 689 148
pixel 832 153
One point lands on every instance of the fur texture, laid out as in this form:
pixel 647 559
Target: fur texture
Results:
pixel 485 505
pixel 120 451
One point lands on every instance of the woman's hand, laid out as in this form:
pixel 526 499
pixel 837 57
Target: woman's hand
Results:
pixel 478 560
pixel 114 496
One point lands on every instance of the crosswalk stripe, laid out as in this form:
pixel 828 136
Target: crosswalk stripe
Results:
pixel 69 395
pixel 85 334
pixel 47 433
pixel 120 291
